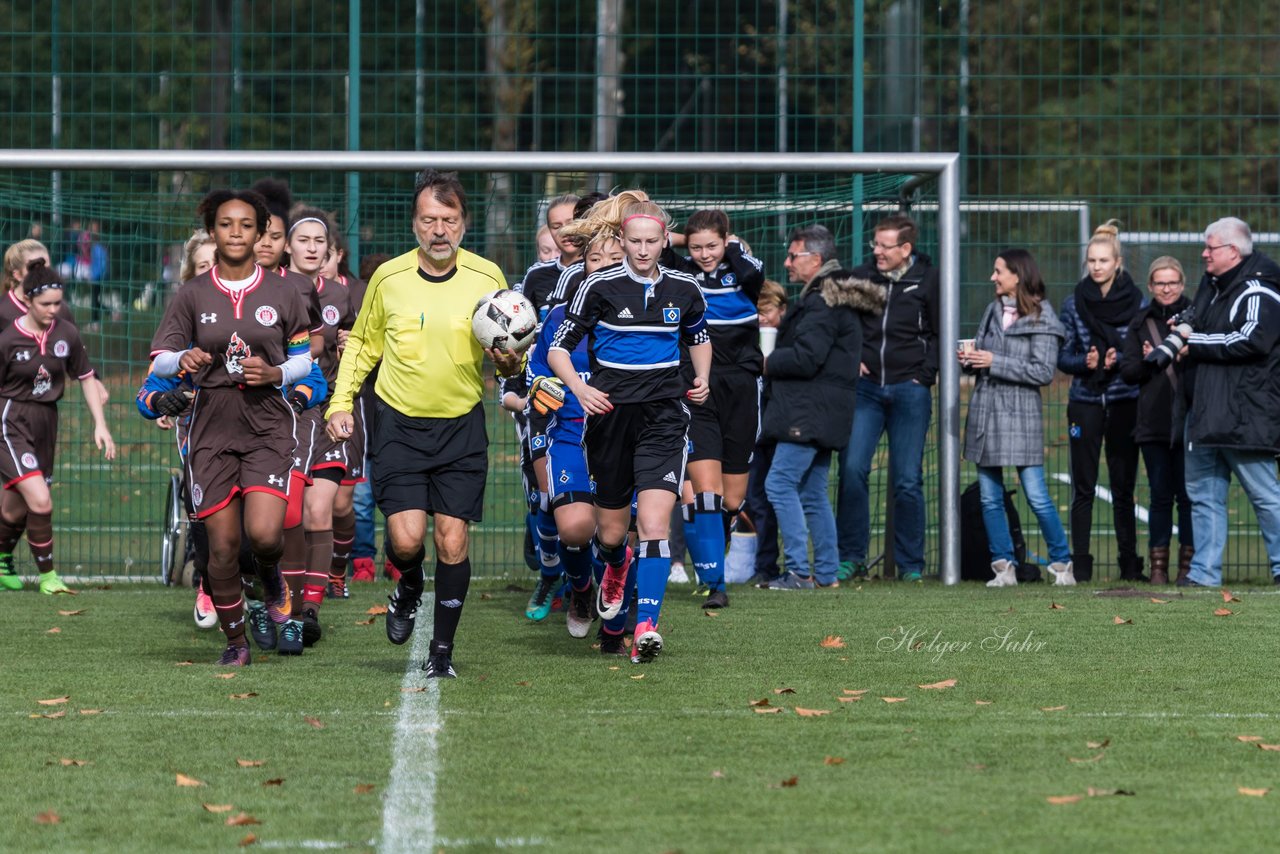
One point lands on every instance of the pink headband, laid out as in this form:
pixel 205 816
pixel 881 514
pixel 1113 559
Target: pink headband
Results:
pixel 645 216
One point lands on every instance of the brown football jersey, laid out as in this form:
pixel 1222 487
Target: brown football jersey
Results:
pixel 36 366
pixel 264 319
pixel 337 313
pixel 308 293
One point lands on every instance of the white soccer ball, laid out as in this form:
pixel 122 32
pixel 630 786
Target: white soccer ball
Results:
pixel 505 320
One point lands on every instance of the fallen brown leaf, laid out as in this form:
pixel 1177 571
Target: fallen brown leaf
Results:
pixel 811 713
pixel 1222 612
pixel 241 819
pixel 74 763
pixel 1052 708
pixel 91 711
pixel 784 690
pixel 848 699
pixel 763 701
pixel 54 631
pixel 217 807
pixel 524 683
pixel 1248 738
pixel 1097 745
pixel 1104 793
pixel 1253 793
pixel 418 690
pixel 49 817
pixel 368 622
pixel 711 613
pixel 250 763
pixel 72 613
pixel 1121 621
pixel 832 642
pixel 982 702
pixel 485 597
pixel 717 774
pixel 315 722
pixel 51 715
pixel 224 676
pixel 833 760
pixel 363 789
pixel 1064 799
pixel 1155 601
pixel 274 781
pixel 858 693
pixel 1228 597
pixel 377 610
pixel 190 782
pixel 247 841
pixel 772 710
pixel 1054 606
pixel 638 676
pixel 790 782
pixel 1090 759
pixel 894 699
pixel 938 686
pixel 1268 746
pixel 56 701
pixel 183 663
pixel 247 695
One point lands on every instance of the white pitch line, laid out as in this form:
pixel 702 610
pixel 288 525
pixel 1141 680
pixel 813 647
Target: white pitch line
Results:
pixel 409 803
pixel 1139 512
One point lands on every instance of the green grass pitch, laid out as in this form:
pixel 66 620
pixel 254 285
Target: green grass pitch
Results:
pixel 544 744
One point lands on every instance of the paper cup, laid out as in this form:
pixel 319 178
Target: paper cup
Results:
pixel 768 339
pixel 967 345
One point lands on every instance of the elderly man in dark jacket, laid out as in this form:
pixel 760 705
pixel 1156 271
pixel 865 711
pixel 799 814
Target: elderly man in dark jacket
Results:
pixel 1233 426
pixel 812 376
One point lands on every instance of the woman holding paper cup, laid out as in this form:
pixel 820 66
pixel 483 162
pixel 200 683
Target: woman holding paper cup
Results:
pixel 1014 354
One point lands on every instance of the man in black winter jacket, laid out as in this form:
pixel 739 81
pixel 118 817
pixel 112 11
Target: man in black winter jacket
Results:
pixel 898 370
pixel 1233 424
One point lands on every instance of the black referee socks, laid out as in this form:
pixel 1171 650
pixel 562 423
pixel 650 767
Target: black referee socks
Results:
pixel 452 581
pixel 411 569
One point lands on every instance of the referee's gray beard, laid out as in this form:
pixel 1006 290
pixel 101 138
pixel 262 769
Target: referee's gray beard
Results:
pixel 425 246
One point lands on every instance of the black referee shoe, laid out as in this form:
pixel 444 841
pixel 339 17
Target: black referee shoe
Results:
pixel 439 663
pixel 401 612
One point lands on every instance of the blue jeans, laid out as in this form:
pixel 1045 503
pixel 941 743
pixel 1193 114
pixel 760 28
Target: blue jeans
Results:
pixel 902 410
pixel 797 489
pixel 1209 473
pixel 991 487
pixel 364 545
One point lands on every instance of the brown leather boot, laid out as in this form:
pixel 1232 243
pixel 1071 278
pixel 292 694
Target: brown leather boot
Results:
pixel 1185 553
pixel 1159 558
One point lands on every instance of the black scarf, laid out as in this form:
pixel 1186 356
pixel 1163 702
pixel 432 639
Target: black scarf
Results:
pixel 1164 312
pixel 1105 317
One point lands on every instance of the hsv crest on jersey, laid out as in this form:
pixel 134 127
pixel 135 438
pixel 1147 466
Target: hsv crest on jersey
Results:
pixel 29 460
pixel 671 314
pixel 331 315
pixel 210 317
pixel 237 350
pixel 43 382
pixel 729 280
pixel 266 315
pixel 22 356
pixel 61 349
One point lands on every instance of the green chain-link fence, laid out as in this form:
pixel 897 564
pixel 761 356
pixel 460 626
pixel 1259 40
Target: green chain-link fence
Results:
pixel 1067 114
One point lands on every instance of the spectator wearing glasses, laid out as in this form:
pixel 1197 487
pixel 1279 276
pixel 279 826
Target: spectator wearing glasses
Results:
pixel 1233 427
pixel 898 369
pixel 1159 430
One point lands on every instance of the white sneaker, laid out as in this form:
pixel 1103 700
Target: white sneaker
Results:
pixel 1063 574
pixel 203 612
pixel 678 575
pixel 1006 574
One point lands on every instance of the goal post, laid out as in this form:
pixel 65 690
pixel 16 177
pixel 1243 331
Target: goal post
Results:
pixel 942 168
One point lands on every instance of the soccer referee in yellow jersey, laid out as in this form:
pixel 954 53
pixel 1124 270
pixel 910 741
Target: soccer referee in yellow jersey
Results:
pixel 427 437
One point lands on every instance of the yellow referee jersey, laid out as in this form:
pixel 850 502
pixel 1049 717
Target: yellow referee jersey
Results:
pixel 420 330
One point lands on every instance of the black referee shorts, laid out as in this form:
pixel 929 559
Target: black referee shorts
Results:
pixel 726 426
pixel 433 464
pixel 634 447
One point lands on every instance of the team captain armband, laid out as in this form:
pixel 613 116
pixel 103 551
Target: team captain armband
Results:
pixel 300 343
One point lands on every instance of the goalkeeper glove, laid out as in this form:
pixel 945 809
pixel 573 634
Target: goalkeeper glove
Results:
pixel 546 394
pixel 298 400
pixel 1168 350
pixel 172 403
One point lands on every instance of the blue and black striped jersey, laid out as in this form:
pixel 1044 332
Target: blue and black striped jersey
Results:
pixel 731 292
pixel 567 285
pixel 636 327
pixel 538 283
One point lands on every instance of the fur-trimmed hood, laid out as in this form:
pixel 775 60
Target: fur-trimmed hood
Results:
pixel 839 287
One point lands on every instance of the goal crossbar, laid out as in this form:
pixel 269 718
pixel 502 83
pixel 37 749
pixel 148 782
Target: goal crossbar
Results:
pixel 942 167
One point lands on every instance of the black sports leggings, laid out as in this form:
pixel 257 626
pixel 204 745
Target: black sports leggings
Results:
pixel 1092 424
